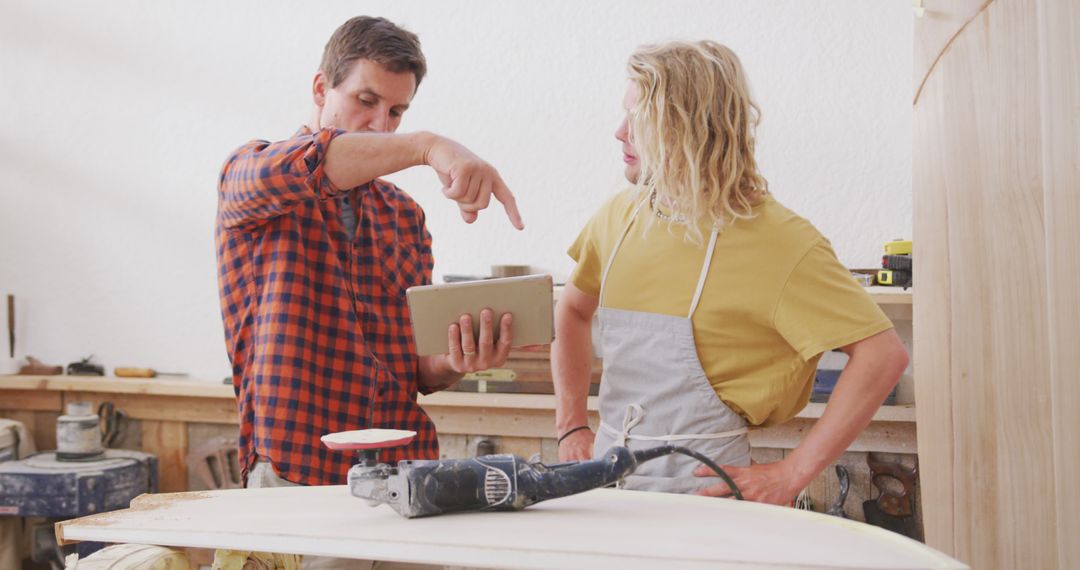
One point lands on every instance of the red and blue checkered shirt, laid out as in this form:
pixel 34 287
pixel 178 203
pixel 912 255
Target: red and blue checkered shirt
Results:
pixel 316 323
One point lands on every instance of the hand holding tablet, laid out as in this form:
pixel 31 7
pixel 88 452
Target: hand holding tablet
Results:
pixel 435 307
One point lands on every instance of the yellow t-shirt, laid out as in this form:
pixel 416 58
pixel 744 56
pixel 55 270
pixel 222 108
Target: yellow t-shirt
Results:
pixel 775 298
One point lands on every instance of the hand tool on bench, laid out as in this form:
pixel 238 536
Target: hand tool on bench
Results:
pixel 35 367
pixel 130 372
pixel 893 509
pixel 837 508
pixel 420 488
pixel 85 367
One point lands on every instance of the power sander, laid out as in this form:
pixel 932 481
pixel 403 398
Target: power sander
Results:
pixel 504 482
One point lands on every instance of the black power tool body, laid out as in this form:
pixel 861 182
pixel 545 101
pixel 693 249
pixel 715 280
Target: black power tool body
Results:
pixel 420 488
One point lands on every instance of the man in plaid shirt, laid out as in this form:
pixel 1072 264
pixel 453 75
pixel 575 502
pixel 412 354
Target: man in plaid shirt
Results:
pixel 314 256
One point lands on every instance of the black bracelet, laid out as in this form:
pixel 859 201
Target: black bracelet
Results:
pixel 563 436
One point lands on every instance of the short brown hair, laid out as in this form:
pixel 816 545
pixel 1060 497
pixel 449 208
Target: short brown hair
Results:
pixel 376 39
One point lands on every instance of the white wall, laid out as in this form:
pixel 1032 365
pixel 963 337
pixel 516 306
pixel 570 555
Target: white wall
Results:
pixel 116 116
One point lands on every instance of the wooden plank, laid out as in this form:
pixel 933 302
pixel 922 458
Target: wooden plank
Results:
pixel 998 329
pixel 933 385
pixel 39 400
pixel 641 531
pixel 159 407
pixel 978 122
pixel 1059 34
pixel 934 32
pixel 168 441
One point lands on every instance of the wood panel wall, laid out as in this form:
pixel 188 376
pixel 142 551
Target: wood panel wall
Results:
pixel 997 306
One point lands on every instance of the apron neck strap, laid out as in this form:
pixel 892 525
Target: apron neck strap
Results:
pixel 614 250
pixel 706 264
pixel 704 271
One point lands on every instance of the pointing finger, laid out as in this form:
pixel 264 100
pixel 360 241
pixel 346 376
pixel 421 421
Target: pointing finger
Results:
pixel 503 195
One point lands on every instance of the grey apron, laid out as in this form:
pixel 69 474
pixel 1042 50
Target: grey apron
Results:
pixel 654 392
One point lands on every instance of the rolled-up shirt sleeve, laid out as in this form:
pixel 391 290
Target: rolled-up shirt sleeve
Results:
pixel 262 180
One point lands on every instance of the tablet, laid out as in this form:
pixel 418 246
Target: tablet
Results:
pixel 434 307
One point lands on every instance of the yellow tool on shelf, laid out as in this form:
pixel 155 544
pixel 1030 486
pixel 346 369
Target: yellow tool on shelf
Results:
pixel 896 266
pixel 898 247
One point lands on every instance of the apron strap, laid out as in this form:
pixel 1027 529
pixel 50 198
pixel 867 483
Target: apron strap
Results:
pixel 618 244
pixel 635 413
pixel 705 265
pixel 704 272
pixel 677 436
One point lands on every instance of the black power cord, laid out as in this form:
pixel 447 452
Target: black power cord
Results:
pixel 646 454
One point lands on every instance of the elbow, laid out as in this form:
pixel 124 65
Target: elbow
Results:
pixel 884 356
pixel 895 362
pixel 568 317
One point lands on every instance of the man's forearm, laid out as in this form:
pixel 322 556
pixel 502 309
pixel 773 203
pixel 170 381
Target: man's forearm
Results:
pixel 353 159
pixel 571 366
pixel 871 373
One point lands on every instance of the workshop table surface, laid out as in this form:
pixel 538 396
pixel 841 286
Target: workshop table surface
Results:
pixel 600 528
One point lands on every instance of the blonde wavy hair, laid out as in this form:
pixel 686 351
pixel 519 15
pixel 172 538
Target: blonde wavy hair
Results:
pixel 693 128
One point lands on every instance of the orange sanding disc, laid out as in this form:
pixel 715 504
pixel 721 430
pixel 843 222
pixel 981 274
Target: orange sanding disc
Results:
pixel 368 438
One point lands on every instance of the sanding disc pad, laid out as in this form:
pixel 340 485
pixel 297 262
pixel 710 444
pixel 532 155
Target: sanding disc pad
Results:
pixel 368 438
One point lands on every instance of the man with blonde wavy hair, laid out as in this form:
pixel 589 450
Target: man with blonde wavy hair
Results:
pixel 715 302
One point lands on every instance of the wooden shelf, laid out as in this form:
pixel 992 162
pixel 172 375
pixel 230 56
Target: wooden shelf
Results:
pixel 881 295
pixel 199 389
pixel 499 401
pixel 904 413
pixel 115 385
pixel 890 295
